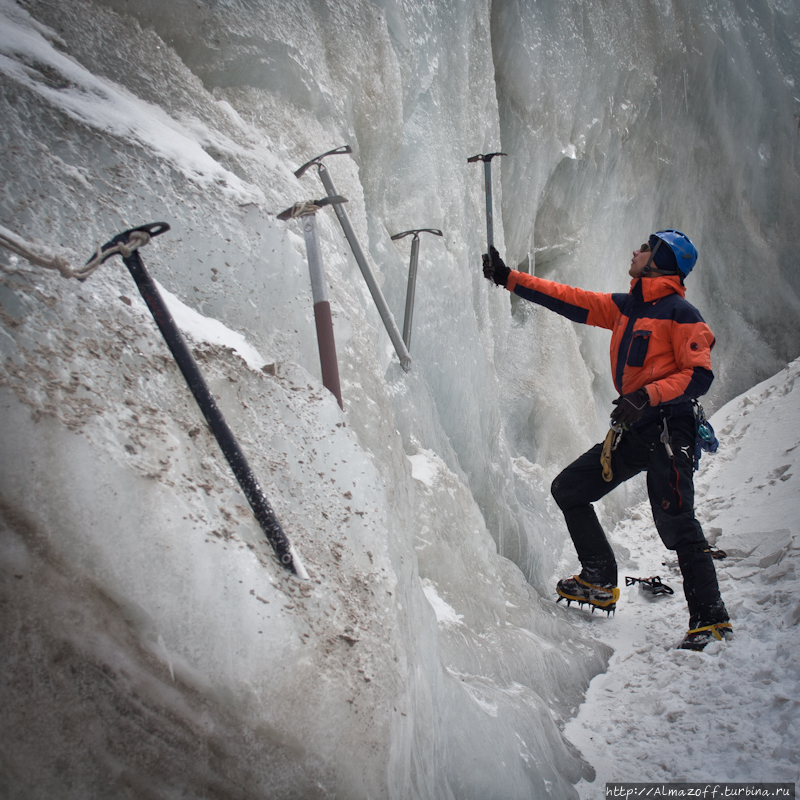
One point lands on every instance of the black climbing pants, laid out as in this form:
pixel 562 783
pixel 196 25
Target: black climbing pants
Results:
pixel 670 487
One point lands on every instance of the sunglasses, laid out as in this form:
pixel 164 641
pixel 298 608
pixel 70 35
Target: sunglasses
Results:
pixel 645 248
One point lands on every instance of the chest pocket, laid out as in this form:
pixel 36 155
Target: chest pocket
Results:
pixel 638 349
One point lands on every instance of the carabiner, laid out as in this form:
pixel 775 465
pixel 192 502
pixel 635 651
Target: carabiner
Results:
pixel 665 438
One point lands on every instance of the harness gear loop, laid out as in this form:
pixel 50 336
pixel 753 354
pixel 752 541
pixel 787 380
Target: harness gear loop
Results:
pixel 609 445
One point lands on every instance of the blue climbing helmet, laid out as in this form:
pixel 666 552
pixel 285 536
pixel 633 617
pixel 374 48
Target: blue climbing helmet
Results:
pixel 684 253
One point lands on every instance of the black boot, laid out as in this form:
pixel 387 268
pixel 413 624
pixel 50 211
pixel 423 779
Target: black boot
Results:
pixel 708 617
pixel 700 586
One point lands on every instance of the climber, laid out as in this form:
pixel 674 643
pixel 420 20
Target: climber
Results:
pixel 660 362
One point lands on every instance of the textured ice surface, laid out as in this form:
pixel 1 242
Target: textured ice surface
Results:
pixel 145 621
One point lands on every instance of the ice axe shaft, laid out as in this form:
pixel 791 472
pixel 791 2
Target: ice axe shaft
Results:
pixel 412 277
pixel 375 290
pixel 323 319
pixel 208 405
pixel 487 171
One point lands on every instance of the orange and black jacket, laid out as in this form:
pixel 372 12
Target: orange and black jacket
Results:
pixel 659 340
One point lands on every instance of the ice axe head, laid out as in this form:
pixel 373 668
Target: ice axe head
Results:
pixel 318 159
pixel 487 157
pixel 416 233
pixel 111 247
pixel 487 167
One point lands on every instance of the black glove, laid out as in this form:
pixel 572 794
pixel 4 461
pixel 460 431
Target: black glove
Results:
pixel 630 407
pixel 493 267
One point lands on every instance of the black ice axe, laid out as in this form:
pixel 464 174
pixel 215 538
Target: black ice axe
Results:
pixel 126 244
pixel 487 169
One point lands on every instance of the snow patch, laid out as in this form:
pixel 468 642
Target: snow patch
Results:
pixel 445 613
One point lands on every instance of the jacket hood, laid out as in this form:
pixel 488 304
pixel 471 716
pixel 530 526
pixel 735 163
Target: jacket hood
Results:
pixel 658 286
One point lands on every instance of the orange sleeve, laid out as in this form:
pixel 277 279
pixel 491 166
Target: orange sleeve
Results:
pixel 578 305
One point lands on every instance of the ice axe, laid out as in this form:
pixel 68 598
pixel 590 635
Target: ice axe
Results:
pixel 487 168
pixel 412 277
pixel 127 244
pixel 358 253
pixel 319 290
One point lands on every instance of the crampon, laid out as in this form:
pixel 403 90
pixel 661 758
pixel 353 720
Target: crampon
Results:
pixel 697 638
pixel 652 585
pixel 583 593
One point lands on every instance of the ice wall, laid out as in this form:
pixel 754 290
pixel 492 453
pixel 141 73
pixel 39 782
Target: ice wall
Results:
pixel 147 623
pixel 657 115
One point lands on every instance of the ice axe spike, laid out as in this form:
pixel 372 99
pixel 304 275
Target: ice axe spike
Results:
pixel 487 169
pixel 412 277
pixel 227 442
pixel 358 254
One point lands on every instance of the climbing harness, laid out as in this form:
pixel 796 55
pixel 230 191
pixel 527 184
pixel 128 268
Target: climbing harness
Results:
pixel 412 277
pixel 611 443
pixel 652 585
pixel 487 172
pixel 329 364
pixel 127 245
pixel 375 290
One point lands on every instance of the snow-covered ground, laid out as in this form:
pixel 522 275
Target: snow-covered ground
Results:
pixel 729 713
